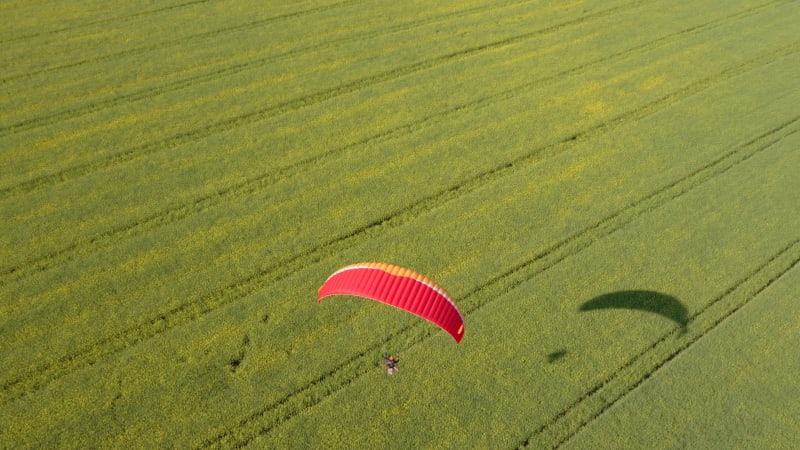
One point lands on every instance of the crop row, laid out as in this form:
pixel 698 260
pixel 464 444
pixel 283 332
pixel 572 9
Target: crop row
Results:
pixel 253 282
pixel 638 368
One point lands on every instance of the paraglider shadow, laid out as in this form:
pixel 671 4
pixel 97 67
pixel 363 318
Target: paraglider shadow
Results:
pixel 639 300
pixel 646 301
pixel 555 356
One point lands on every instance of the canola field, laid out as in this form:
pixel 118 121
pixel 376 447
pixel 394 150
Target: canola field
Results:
pixel 608 189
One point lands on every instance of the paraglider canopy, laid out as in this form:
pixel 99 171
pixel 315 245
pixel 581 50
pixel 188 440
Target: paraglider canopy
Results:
pixel 400 287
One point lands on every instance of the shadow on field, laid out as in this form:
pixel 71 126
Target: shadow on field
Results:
pixel 555 356
pixel 647 301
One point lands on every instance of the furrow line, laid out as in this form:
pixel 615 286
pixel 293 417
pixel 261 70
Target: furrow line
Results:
pixel 591 405
pixel 175 42
pixel 203 203
pixel 702 85
pixel 263 421
pixel 165 217
pixel 41 375
pixel 327 384
pixel 222 72
pixel 121 19
pixel 586 237
pixel 345 374
pixel 290 105
pixel 707 26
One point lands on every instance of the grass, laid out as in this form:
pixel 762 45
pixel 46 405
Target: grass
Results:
pixel 174 197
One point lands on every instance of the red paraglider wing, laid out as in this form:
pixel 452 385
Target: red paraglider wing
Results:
pixel 400 287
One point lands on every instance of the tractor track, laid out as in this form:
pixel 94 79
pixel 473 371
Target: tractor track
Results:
pixel 253 185
pixel 297 103
pixel 164 44
pixel 40 375
pixel 105 21
pixel 261 422
pixel 560 428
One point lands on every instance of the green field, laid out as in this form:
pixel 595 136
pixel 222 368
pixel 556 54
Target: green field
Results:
pixel 178 178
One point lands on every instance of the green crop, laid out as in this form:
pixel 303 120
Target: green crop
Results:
pixel 178 178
